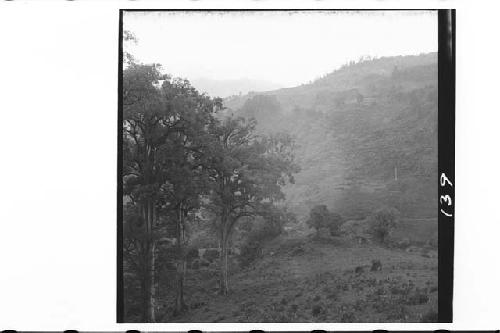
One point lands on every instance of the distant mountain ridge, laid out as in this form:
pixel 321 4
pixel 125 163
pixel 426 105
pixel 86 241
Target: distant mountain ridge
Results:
pixel 225 88
pixel 366 135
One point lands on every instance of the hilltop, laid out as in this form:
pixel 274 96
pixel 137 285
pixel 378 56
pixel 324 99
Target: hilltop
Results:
pixel 366 135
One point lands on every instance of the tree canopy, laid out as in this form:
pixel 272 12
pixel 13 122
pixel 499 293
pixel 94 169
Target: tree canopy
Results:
pixel 179 154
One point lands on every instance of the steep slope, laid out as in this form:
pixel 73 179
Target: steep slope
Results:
pixel 366 136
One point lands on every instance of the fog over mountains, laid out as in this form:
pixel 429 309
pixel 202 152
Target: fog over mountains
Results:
pixel 225 88
pixel 366 135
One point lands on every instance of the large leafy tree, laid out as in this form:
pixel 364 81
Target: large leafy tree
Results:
pixel 247 173
pixel 141 176
pixel 184 164
pixel 163 124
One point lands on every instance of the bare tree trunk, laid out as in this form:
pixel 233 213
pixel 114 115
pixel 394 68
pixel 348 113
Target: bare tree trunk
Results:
pixel 180 305
pixel 144 289
pixel 149 271
pixel 148 212
pixel 224 282
pixel 152 285
pixel 226 269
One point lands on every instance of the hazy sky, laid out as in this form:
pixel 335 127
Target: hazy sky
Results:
pixel 285 48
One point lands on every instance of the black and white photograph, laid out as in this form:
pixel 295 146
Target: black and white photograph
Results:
pixel 279 166
pixel 249 166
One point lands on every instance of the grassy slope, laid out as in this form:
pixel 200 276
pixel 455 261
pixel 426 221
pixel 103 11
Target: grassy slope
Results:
pixel 297 280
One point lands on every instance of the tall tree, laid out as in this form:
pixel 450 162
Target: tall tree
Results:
pixel 141 178
pixel 248 172
pixel 162 122
pixel 188 179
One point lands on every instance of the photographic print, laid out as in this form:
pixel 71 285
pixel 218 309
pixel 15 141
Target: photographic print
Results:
pixel 279 166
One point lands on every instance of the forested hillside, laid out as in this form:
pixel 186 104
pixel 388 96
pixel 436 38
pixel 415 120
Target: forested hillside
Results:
pixel 366 135
pixel 269 207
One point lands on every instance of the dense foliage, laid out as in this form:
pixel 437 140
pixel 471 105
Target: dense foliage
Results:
pixel 180 158
pixel 382 223
pixel 320 218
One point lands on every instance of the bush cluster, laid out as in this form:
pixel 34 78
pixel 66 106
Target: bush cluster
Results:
pixel 382 223
pixel 320 218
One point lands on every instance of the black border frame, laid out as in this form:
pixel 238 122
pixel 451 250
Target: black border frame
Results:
pixel 446 149
pixel 120 304
pixel 446 161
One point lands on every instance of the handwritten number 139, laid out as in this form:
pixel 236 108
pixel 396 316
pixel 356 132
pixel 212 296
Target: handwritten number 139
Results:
pixel 445 199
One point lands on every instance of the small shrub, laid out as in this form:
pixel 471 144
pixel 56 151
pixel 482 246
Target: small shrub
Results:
pixel 316 310
pixel 376 265
pixel 382 223
pixel 417 299
pixel 347 317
